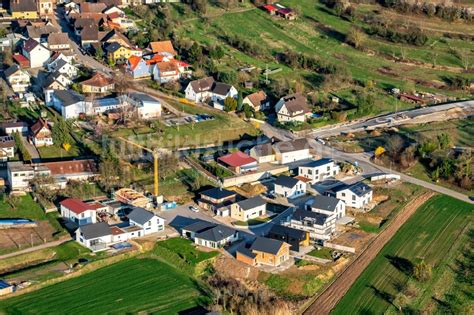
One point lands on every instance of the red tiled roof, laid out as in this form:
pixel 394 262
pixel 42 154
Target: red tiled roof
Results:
pixel 78 206
pixel 21 60
pixel 163 46
pixel 303 179
pixel 36 128
pixel 155 59
pixel 116 230
pixel 71 167
pixel 113 15
pixel 237 159
pixel 269 7
pixel 98 79
pixel 134 61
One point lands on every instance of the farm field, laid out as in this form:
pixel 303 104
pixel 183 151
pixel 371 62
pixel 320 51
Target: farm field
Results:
pixel 129 286
pixel 429 235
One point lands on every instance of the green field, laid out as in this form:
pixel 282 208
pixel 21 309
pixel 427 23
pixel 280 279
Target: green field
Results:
pixel 430 234
pixel 129 286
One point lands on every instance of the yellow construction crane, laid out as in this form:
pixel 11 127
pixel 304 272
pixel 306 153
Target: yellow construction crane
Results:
pixel 155 164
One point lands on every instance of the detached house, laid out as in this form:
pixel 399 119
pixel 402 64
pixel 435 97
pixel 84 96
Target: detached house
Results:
pixel 263 153
pixel 98 84
pixel 146 220
pixel 217 200
pixel 119 54
pixel 58 42
pixel 210 234
pixel 41 134
pixel 292 151
pixel 147 107
pixel 18 79
pixel 291 108
pixel 332 207
pixel 7 148
pixel 164 72
pixel 79 212
pixel 239 162
pixel 357 195
pixel 96 236
pixel 320 226
pixel 294 237
pixel 258 101
pixel 318 170
pixel 207 88
pixel 36 53
pixel 70 103
pixel 264 251
pixel 289 187
pixel 248 209
pixel 138 68
pixel 23 9
pixel 66 68
pixel 164 48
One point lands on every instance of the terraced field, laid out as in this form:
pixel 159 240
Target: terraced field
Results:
pixel 429 234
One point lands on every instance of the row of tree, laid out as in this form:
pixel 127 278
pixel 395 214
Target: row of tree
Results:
pixel 448 12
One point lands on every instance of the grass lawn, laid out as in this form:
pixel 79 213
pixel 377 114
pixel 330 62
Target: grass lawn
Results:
pixel 26 207
pixel 429 234
pixel 324 253
pixel 255 221
pixel 130 286
pixel 56 151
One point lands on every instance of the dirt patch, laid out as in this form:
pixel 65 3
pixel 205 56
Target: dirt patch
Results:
pixel 230 267
pixel 354 238
pixel 22 238
pixel 387 71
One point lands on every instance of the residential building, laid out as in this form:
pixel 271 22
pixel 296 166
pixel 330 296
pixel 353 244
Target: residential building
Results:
pixel 147 106
pixel 7 148
pixel 146 220
pixel 36 53
pixel 11 127
pixel 51 84
pixel 292 108
pixel 265 251
pixel 164 72
pixel 70 104
pixel 292 151
pixel 18 79
pixel 79 212
pixel 41 134
pixel 357 195
pixel 98 84
pixel 95 236
pixel 119 54
pixel 66 68
pixel 209 234
pixel 138 68
pixel 296 238
pixel 23 9
pixel 239 162
pixel 287 13
pixel 320 226
pixel 58 42
pixel 289 187
pixel 217 200
pixel 19 175
pixel 319 170
pixel 330 206
pixel 207 88
pixel 263 153
pixel 21 60
pixel 58 57
pixel 164 48
pixel 40 32
pixel 258 101
pixel 248 209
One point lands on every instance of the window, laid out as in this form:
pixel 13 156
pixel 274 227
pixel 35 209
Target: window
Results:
pixel 353 197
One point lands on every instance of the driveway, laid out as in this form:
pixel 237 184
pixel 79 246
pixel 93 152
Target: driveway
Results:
pixel 35 157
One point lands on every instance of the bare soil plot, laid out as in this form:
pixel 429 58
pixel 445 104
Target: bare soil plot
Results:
pixel 25 237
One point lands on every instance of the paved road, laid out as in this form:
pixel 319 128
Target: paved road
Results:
pixel 35 248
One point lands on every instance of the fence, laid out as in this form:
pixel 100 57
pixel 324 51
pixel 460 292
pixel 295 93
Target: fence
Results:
pixel 385 177
pixel 340 247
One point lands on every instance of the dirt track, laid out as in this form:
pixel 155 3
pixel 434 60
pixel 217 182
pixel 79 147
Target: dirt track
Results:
pixel 329 298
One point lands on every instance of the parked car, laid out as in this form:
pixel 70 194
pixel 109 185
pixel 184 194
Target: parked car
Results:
pixel 193 208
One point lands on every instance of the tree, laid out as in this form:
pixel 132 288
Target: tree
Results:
pixel 464 58
pixel 61 132
pixel 99 53
pixel 355 37
pixel 443 141
pixel 109 170
pixel 395 145
pixel 230 104
pixel 195 53
pixel 216 52
pixel 426 148
pixel 379 151
pixel 422 271
pixel 7 57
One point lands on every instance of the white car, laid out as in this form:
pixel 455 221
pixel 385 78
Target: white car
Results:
pixel 193 208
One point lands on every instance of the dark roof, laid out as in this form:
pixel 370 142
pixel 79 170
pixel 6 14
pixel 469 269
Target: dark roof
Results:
pixel 218 193
pixel 300 215
pixel 4 284
pixel 221 88
pixel 11 70
pixel 23 5
pixel 90 32
pixel 199 226
pixel 286 181
pixel 68 97
pixel 7 142
pixel 112 47
pixel 317 163
pixel 140 215
pixel 95 230
pixel 292 145
pixel 263 149
pixel 217 233
pixel 296 103
pixel 246 252
pixel 202 85
pixel 325 203
pixel 267 245
pixel 359 188
pixel 30 44
pixel 143 97
pixel 251 203
pixel 61 63
pixel 13 124
pixel 287 231
pixel 38 31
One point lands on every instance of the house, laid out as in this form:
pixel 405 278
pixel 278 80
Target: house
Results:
pixel 18 79
pixel 164 72
pixel 287 13
pixel 332 207
pixel 320 226
pixel 119 54
pixel 70 104
pixel 6 288
pixel 138 68
pixel 217 200
pixel 115 36
pixel 147 106
pixel 11 127
pixel 248 209
pixel 58 42
pixel 207 88
pixel 79 212
pixel 54 81
pixel 19 175
pixel 210 234
pixel 292 151
pixel 95 236
pixel 7 148
pixel 61 78
pixel 98 84
pixel 64 67
pixel 23 9
pixel 146 220
pixel 265 251
pixel 294 237
pixel 89 7
pixel 270 9
pixel 292 108
pixel 318 170
pixel 357 195
pixel 238 162
pixel 40 32
pixel 36 53
pixel 289 187
pixel 258 101
pixel 21 60
pixel 41 134
pixel 45 7
pixel 57 57
pixel 164 48
pixel 263 153
pixel 88 31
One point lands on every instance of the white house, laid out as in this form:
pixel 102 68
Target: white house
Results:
pixel 50 84
pixel 18 79
pixel 319 225
pixel 248 209
pixel 147 106
pixel 95 236
pixel 292 151
pixel 263 153
pixel 19 175
pixel 146 220
pixel 164 72
pixel 66 68
pixel 289 187
pixel 330 206
pixel 293 107
pixel 56 58
pixel 36 53
pixel 318 170
pixel 7 148
pixel 11 127
pixel 357 195
pixel 79 212
pixel 41 134
pixel 70 103
pixel 207 88
pixel 209 234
